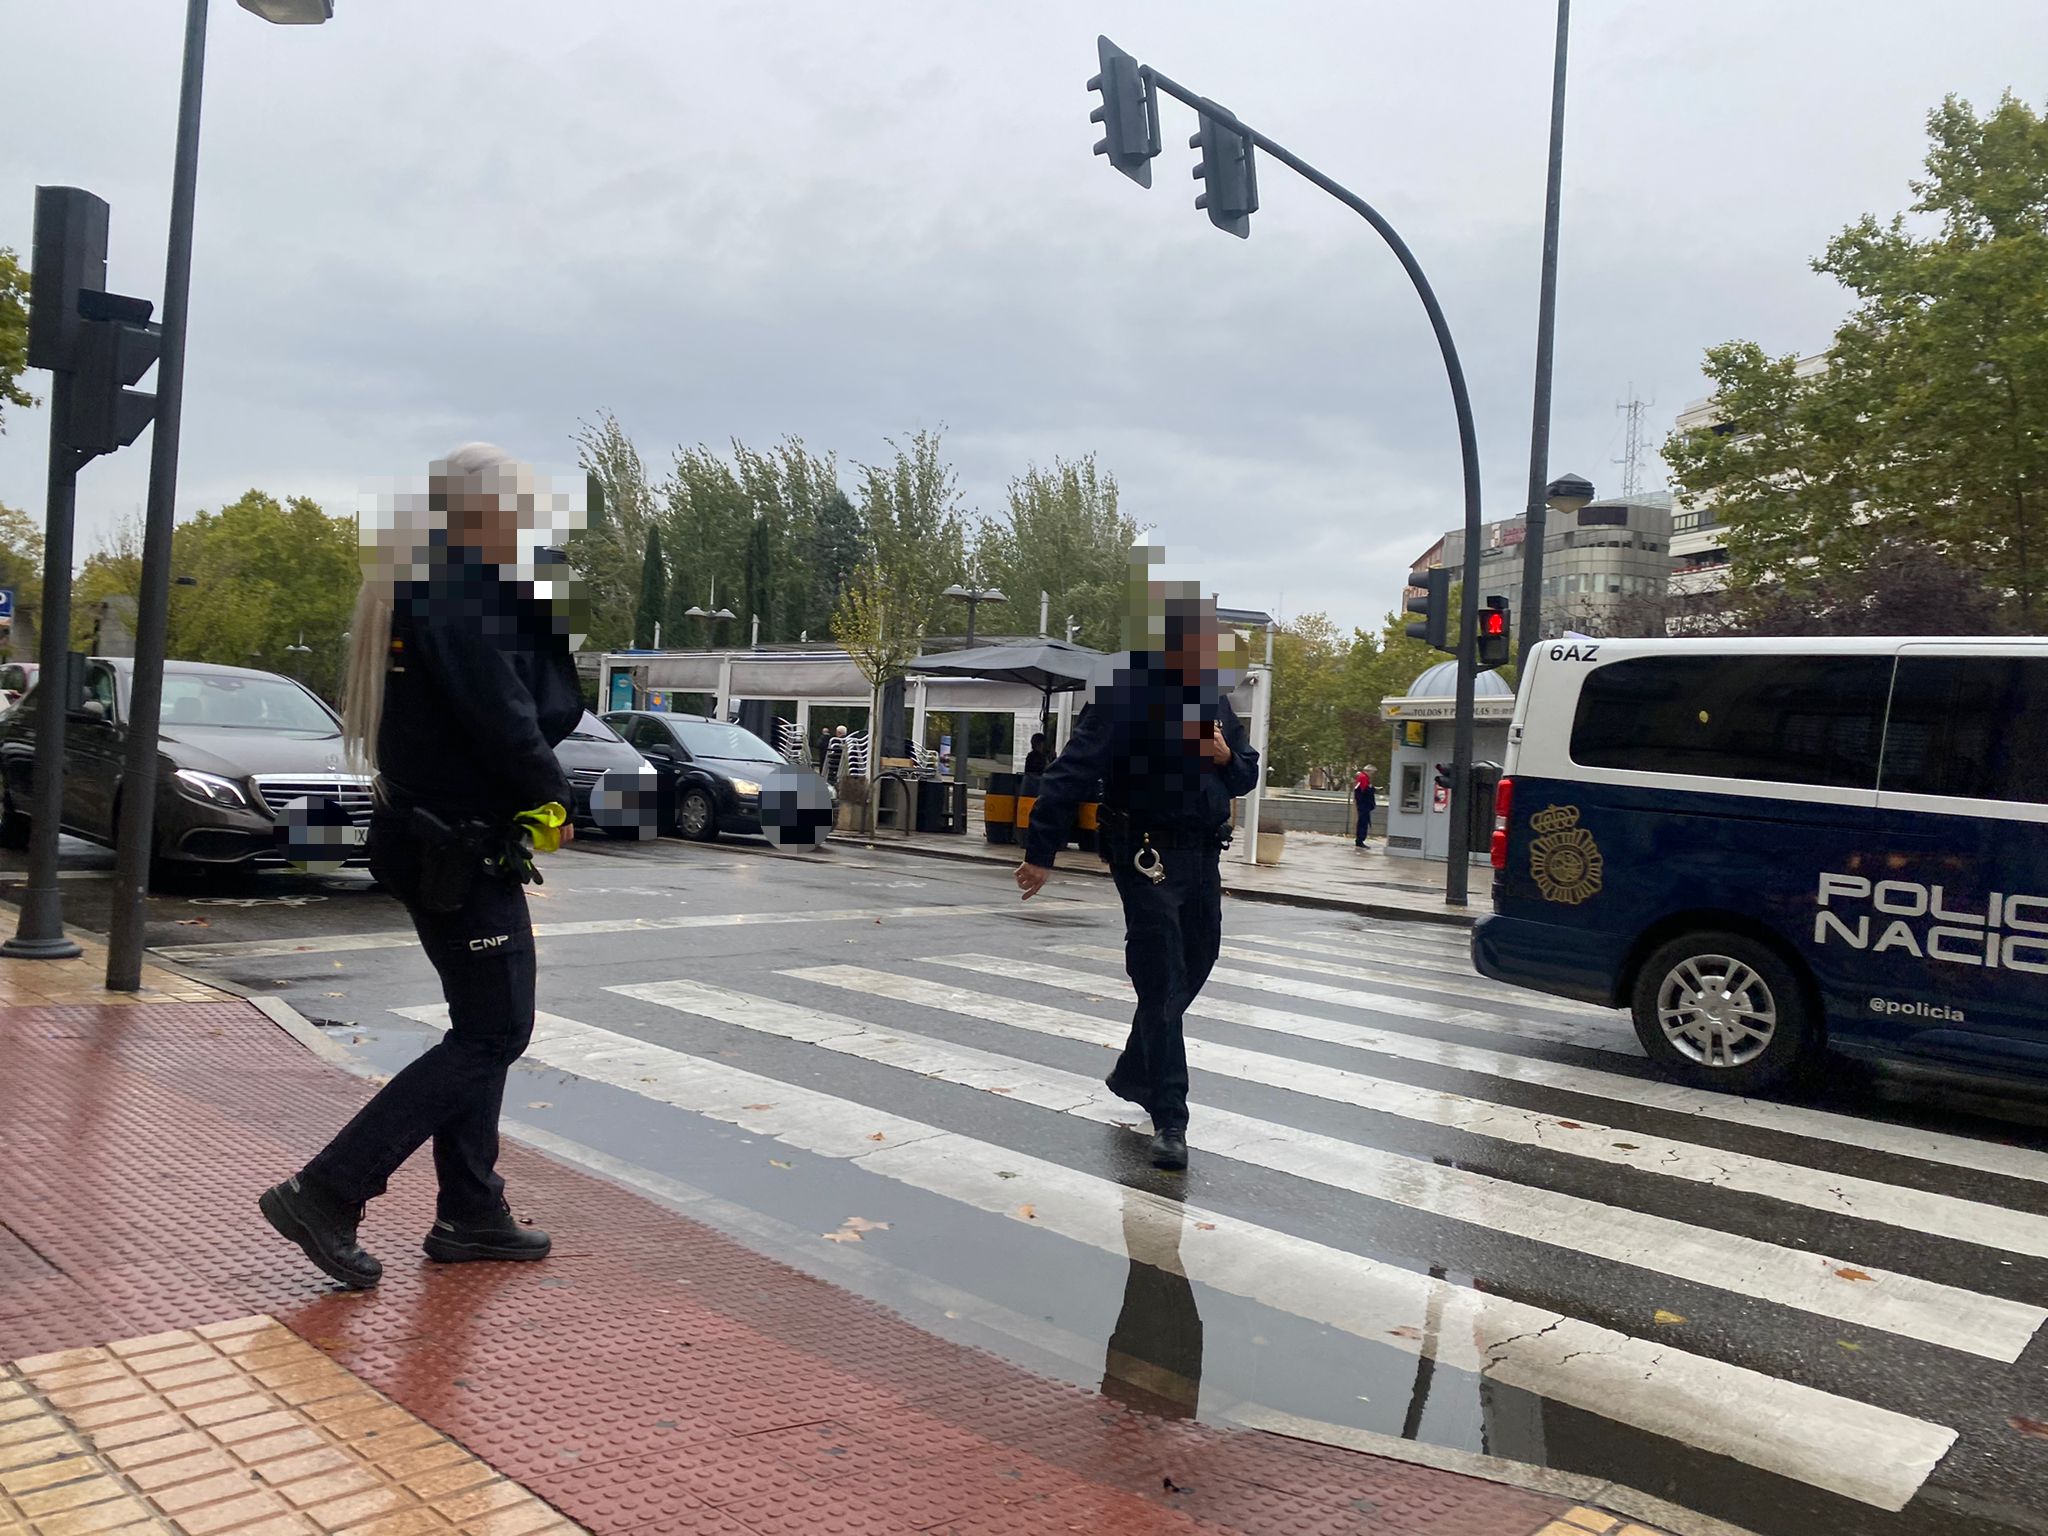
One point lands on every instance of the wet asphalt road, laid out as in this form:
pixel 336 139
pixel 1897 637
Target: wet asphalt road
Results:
pixel 1421 1204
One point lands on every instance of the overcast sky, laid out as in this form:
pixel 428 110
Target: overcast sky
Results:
pixel 436 220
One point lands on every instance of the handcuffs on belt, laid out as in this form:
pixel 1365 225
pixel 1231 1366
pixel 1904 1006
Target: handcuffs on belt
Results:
pixel 1154 871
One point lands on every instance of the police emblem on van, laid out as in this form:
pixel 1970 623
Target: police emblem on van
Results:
pixel 1564 859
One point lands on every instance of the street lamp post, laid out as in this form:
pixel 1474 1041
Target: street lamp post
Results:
pixel 136 830
pixel 299 649
pixel 973 597
pixel 710 615
pixel 1565 495
pixel 1534 522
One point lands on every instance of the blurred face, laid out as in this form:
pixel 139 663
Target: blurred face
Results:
pixel 1195 651
pixel 485 521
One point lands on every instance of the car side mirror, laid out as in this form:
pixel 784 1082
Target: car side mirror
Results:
pixel 92 709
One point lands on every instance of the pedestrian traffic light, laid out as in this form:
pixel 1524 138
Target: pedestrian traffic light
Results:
pixel 1129 113
pixel 1444 776
pixel 116 346
pixel 1229 180
pixel 1496 634
pixel 1429 594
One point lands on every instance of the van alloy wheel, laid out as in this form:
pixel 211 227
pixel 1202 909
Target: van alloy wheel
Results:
pixel 1716 1011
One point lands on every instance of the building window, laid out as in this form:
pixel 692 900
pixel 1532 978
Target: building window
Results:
pixel 1782 719
pixel 1603 517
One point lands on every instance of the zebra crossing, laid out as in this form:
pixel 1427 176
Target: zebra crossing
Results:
pixel 1397 1079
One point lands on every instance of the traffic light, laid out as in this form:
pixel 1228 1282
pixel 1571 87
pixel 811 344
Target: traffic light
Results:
pixel 70 257
pixel 1496 634
pixel 1433 603
pixel 103 341
pixel 116 346
pixel 1129 113
pixel 1444 776
pixel 1229 180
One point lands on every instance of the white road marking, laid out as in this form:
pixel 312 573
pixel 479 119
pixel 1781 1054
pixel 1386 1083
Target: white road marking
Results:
pixel 1834 1194
pixel 1598 1031
pixel 1649 1093
pixel 1464 982
pixel 1900 1304
pixel 405 938
pixel 1871 1454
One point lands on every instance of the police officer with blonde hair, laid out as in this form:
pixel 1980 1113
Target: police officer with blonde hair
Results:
pixel 460 684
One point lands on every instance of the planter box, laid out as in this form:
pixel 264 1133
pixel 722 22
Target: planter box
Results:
pixel 1271 846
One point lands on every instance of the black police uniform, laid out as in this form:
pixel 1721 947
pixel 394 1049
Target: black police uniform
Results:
pixel 481 686
pixel 1158 791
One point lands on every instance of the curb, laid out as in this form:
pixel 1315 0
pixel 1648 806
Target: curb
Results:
pixel 1382 910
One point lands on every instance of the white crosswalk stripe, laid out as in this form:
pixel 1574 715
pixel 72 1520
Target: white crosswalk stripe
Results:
pixel 1861 1451
pixel 1937 1314
pixel 1598 1030
pixel 1464 982
pixel 1646 1092
pixel 1835 1194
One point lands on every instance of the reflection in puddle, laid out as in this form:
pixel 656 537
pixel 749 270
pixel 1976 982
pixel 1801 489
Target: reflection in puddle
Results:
pixel 1154 1360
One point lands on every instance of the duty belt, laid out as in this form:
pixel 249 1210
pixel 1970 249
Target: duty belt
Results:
pixel 1121 826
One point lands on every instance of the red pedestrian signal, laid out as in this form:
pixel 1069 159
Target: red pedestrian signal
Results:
pixel 1496 643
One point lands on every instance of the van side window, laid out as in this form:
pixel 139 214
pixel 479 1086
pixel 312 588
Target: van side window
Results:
pixel 1969 726
pixel 1781 719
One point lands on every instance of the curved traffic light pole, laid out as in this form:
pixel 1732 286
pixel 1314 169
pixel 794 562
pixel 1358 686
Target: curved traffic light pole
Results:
pixel 1457 877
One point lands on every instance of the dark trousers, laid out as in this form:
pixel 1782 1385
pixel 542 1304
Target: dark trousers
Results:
pixel 1364 806
pixel 452 1094
pixel 1171 934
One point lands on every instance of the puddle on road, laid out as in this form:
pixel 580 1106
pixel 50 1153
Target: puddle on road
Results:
pixel 1129 1325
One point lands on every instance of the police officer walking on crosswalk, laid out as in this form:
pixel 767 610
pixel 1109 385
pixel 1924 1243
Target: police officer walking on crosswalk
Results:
pixel 1168 751
pixel 460 684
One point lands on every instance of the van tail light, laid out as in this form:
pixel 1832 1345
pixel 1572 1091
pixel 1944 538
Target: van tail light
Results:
pixel 1503 807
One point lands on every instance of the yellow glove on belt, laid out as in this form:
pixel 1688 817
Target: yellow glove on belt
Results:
pixel 544 825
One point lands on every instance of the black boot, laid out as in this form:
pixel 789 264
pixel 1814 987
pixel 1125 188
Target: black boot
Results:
pixel 324 1230
pixel 495 1237
pixel 1170 1148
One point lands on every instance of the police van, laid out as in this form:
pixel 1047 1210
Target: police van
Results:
pixel 1768 848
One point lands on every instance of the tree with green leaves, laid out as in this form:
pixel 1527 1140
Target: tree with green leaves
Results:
pixel 610 552
pixel 1061 534
pixel 1928 425
pixel 653 591
pixel 13 335
pixel 916 529
pixel 21 567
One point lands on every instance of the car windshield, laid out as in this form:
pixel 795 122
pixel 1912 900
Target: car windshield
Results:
pixel 245 703
pixel 704 738
pixel 590 728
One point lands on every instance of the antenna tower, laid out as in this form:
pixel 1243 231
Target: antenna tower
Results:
pixel 1631 460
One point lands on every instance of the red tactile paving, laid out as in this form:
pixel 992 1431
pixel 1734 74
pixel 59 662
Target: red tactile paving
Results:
pixel 653 1376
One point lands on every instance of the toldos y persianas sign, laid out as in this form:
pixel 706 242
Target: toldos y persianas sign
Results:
pixel 1491 707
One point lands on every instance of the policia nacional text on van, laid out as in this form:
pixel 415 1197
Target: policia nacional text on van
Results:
pixel 462 681
pixel 1170 754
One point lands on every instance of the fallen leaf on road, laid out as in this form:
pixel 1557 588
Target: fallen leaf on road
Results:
pixel 1004 1173
pixel 334 994
pixel 1662 1316
pixel 1851 1274
pixel 1849 1345
pixel 841 1237
pixel 1571 1125
pixel 1406 1331
pixel 862 1224
pixel 756 1108
pixel 1205 1226
pixel 540 1104
pixel 1028 1212
pixel 878 1136
pixel 1627 1146
pixel 194 922
pixel 776 1162
pixel 1002 1090
pixel 2027 1426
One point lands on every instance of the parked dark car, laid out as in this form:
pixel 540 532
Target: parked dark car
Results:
pixel 586 754
pixel 711 773
pixel 235 744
